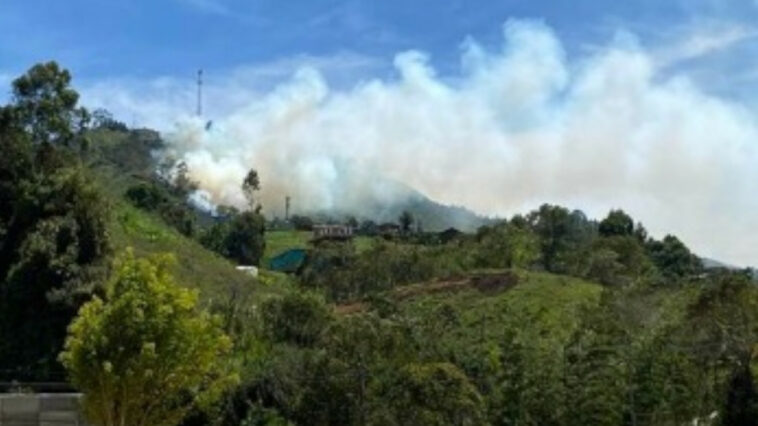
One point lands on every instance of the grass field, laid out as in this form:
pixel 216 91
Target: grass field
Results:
pixel 280 241
pixel 540 306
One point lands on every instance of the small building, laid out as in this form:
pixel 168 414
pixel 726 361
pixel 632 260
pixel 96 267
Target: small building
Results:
pixel 332 232
pixel 389 229
pixel 250 270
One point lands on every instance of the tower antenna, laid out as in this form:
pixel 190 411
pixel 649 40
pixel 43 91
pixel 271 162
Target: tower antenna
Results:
pixel 199 92
pixel 287 207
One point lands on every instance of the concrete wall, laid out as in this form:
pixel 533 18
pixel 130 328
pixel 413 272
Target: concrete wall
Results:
pixel 44 409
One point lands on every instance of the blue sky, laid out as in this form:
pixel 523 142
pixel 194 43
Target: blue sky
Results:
pixel 648 105
pixel 158 38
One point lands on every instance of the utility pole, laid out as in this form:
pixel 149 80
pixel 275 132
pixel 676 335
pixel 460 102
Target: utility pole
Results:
pixel 287 207
pixel 199 92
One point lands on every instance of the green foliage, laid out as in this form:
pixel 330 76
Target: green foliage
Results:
pixel 157 197
pixel 561 234
pixel 598 370
pixel 53 237
pixel 419 338
pixel 505 245
pixel 298 318
pixel 245 241
pixel 405 220
pixel 346 274
pixel 147 196
pixel 673 258
pixel 617 223
pixel 205 270
pixel 435 394
pixel 103 119
pixel 239 237
pixel 250 185
pixel 45 105
pixel 302 223
pixel 618 260
pixel 145 354
pixel 741 405
pixel 129 151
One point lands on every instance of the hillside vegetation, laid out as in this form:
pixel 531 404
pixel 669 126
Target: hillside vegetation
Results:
pixel 548 318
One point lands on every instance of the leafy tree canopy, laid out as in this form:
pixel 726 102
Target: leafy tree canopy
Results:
pixel 145 354
pixel 617 223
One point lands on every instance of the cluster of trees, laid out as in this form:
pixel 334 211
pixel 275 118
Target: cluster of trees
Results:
pixel 615 251
pixel 54 246
pixel 240 236
pixel 168 201
pixel 631 355
pixel 138 345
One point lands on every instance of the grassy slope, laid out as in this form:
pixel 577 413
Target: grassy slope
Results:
pixel 541 307
pixel 279 241
pixel 196 267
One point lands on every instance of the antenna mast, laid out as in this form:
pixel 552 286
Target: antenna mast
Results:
pixel 199 92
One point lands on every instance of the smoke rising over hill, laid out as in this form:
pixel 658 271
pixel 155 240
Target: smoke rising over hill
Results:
pixel 515 128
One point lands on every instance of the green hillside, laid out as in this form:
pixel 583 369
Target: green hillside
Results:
pixel 550 318
pixel 197 267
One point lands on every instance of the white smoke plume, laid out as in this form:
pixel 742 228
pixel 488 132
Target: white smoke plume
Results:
pixel 515 128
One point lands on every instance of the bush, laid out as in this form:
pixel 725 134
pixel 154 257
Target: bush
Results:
pixel 298 318
pixel 145 354
pixel 147 196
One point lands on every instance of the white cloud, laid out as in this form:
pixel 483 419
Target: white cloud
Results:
pixel 704 39
pixel 520 126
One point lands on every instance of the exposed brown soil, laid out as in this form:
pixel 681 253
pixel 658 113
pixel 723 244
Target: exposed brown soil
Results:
pixel 485 283
pixel 495 282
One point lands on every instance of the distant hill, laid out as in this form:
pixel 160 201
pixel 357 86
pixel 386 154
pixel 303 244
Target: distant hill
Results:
pixel 712 263
pixel 432 215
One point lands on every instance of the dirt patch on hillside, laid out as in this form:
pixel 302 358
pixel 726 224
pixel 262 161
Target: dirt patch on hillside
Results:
pixel 493 283
pixel 485 283
pixel 350 308
pixel 406 292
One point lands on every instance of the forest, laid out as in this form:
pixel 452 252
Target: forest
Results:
pixel 112 281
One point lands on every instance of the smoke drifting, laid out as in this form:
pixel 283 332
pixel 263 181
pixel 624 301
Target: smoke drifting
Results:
pixel 515 128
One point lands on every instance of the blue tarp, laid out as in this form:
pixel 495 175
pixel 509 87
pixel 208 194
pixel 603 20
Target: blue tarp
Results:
pixel 288 261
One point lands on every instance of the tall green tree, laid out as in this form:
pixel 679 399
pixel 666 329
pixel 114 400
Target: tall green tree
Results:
pixel 435 394
pixel 145 354
pixel 561 234
pixel 53 238
pixel 617 223
pixel 673 258
pixel 405 220
pixel 245 241
pixel 45 105
pixel 250 186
